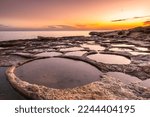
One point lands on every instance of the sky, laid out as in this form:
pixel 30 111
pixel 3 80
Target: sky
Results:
pixel 73 14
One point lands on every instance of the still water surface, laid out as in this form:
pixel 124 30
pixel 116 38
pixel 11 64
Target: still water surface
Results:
pixel 15 35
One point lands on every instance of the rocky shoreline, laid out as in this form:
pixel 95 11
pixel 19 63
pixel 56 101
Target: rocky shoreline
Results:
pixel 132 44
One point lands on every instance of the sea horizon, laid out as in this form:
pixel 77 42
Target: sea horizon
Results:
pixel 17 35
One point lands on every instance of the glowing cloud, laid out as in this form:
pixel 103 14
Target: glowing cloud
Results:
pixel 73 14
pixel 147 23
pixel 118 20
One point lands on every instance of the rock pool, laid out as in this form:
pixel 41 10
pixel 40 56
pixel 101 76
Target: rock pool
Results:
pixel 50 72
pixel 109 59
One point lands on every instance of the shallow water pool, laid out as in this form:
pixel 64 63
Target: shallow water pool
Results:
pixel 123 45
pixel 125 78
pixel 109 59
pixel 6 91
pixel 49 54
pixel 71 49
pixel 145 83
pixel 76 53
pixel 93 47
pixel 58 73
pixel 121 49
pixel 139 53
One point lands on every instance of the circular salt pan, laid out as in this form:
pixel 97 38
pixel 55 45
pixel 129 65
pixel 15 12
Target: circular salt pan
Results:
pixel 71 49
pixel 123 45
pixel 58 73
pixel 93 47
pixel 145 83
pixel 142 48
pixel 139 53
pixel 49 54
pixel 76 53
pixel 125 78
pixel 121 49
pixel 110 59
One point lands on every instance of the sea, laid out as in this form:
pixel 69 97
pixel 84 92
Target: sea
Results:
pixel 17 35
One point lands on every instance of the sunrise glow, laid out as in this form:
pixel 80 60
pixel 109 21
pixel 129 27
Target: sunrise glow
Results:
pixel 74 14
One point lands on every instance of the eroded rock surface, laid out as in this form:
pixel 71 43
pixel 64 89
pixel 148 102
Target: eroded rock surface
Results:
pixel 134 44
pixel 105 88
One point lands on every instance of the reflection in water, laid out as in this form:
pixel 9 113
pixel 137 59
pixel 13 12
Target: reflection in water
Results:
pixel 58 72
pixel 76 53
pixel 125 78
pixel 71 49
pixel 121 49
pixel 41 50
pixel 90 42
pixel 109 59
pixel 122 45
pixel 51 54
pixel 11 35
pixel 128 45
pixel 93 47
pixel 142 48
pixel 138 53
pixel 6 91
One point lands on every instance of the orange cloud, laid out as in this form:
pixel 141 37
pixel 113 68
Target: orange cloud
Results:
pixel 147 23
pixel 139 17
